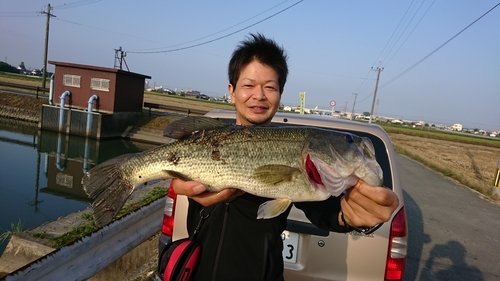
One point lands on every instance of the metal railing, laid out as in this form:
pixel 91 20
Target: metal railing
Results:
pixel 86 257
pixel 174 109
pixel 25 87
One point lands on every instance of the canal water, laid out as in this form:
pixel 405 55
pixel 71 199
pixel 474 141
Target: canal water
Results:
pixel 41 171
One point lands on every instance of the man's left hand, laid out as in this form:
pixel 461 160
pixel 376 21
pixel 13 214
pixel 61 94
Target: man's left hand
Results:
pixel 365 206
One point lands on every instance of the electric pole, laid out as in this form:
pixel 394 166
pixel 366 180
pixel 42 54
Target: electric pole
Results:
pixel 44 70
pixel 355 96
pixel 378 69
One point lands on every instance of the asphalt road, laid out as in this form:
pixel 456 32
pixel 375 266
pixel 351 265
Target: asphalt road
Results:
pixel 453 232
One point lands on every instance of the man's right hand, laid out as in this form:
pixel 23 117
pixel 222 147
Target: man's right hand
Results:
pixel 198 192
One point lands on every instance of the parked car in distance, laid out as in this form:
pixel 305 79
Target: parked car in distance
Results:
pixel 311 253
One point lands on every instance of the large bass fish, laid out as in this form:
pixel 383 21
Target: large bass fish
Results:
pixel 287 164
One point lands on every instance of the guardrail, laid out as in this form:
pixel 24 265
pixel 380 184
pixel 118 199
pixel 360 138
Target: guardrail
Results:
pixel 174 109
pixel 91 254
pixel 25 87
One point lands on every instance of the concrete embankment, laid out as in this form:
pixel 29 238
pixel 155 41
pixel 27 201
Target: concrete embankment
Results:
pixel 20 113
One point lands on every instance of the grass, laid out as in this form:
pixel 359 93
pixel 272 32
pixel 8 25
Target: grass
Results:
pixel 90 226
pixel 441 135
pixel 156 122
pixel 23 79
pixel 15 229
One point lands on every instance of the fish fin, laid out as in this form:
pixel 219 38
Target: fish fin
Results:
pixel 275 174
pixel 273 208
pixel 174 174
pixel 184 127
pixel 104 184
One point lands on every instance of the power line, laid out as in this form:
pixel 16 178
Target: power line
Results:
pixel 75 4
pixel 210 35
pixel 437 49
pixel 19 14
pixel 218 38
pixel 390 44
pixel 411 32
pixel 15 14
pixel 431 53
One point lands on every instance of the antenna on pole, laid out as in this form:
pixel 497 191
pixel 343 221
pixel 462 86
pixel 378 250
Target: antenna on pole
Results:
pixel 120 58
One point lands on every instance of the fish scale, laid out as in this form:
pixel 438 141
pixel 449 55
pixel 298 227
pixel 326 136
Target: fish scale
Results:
pixel 264 161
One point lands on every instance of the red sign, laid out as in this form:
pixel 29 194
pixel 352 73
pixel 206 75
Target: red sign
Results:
pixel 333 103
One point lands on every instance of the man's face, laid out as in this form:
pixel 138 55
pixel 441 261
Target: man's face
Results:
pixel 256 94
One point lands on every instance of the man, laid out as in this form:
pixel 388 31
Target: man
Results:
pixel 235 244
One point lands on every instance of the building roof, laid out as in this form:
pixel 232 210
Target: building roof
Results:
pixel 98 68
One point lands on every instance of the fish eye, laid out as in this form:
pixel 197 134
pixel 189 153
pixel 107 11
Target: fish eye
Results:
pixel 349 138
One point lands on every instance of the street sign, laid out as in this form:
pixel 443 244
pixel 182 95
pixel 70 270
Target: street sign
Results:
pixel 333 103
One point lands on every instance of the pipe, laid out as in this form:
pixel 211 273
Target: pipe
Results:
pixel 59 164
pixel 61 111
pixel 89 113
pixel 86 156
pixel 91 102
pixel 51 90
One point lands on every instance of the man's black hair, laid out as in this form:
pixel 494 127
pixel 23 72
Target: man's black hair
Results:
pixel 264 50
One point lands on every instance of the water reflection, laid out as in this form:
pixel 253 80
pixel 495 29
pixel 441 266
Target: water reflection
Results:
pixel 67 158
pixel 41 171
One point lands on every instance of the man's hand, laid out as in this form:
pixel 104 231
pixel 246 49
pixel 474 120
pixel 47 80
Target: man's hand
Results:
pixel 365 206
pixel 199 193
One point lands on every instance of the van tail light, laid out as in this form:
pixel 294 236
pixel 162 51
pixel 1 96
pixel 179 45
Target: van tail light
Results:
pixel 167 227
pixel 398 246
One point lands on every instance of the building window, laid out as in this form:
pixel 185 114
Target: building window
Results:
pixel 71 80
pixel 100 84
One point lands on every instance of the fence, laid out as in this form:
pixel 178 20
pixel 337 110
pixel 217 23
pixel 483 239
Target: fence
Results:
pixel 36 89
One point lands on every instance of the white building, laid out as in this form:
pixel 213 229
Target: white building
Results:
pixel 457 127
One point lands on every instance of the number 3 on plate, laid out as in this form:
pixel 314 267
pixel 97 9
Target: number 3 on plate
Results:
pixel 290 251
pixel 290 242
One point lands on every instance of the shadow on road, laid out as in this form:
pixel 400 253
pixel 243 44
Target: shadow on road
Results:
pixel 416 237
pixel 445 261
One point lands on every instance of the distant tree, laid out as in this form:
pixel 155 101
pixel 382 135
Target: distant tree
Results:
pixel 21 65
pixel 366 113
pixel 5 67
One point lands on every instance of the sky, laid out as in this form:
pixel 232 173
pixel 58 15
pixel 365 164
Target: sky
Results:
pixel 439 60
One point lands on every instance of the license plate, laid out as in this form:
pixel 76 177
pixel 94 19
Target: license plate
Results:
pixel 290 245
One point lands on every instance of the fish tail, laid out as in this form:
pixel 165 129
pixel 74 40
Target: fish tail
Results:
pixel 106 184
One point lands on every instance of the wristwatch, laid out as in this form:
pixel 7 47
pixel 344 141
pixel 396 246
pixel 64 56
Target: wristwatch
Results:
pixel 364 230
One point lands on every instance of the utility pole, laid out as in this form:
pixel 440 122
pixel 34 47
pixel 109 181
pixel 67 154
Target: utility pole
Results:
pixel 44 70
pixel 355 96
pixel 378 69
pixel 119 60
